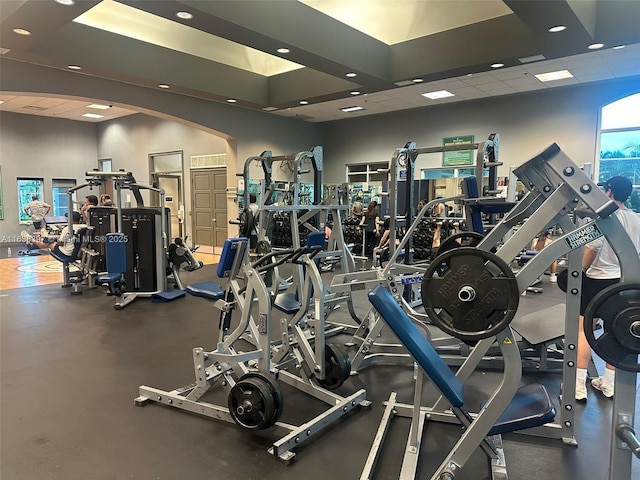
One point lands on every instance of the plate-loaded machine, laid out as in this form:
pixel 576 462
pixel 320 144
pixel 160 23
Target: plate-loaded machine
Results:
pixel 400 273
pixel 139 268
pixel 473 294
pixel 254 400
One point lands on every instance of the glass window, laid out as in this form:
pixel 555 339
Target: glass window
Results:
pixel 60 198
pixel 620 144
pixel 27 187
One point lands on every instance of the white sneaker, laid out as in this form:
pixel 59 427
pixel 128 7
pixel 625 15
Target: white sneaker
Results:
pixel 606 390
pixel 581 392
pixel 553 278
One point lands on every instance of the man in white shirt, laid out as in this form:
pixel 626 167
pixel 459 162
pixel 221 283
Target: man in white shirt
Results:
pixel 37 210
pixel 66 242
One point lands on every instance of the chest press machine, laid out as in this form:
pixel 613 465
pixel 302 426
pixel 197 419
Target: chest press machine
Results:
pixel 472 294
pixel 250 379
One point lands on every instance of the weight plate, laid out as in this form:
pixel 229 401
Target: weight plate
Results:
pixel 337 367
pixel 247 222
pixel 263 247
pixel 462 239
pixel 470 293
pixel 619 308
pixel 251 403
pixel 276 393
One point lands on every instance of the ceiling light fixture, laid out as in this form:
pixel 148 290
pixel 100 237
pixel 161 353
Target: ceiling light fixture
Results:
pixel 283 50
pixel 164 85
pixel 355 92
pixel 66 3
pixel 557 75
pixel 92 115
pixel 21 31
pixel 438 94
pixel 417 80
pixel 98 106
pixel 74 67
pixel 497 65
pixel 352 109
pixel 557 28
pixel 1 102
pixel 619 47
pixel 351 74
pixel 232 100
pixel 595 46
pixel 304 102
pixel 184 15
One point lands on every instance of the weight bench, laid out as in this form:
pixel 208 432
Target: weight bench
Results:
pixel 475 205
pixel 82 258
pixel 508 409
pixel 116 253
pixel 233 251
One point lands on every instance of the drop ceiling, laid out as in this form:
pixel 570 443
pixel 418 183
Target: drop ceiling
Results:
pixel 228 50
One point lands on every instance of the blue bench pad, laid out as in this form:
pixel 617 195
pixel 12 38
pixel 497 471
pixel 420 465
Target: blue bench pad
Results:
pixel 209 290
pixel 109 277
pixel 530 407
pixel 287 303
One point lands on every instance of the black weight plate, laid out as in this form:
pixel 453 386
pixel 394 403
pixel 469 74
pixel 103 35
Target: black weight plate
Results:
pixel 462 239
pixel 251 403
pixel 470 293
pixel 619 308
pixel 276 393
pixel 337 367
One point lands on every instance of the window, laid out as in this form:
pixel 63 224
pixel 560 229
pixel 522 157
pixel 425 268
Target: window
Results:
pixel 27 187
pixel 59 188
pixel 620 144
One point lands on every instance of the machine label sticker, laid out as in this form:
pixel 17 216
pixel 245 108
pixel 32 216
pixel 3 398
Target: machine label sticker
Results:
pixel 411 279
pixel 583 236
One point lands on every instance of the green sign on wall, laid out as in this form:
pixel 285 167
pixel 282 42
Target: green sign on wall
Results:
pixel 457 157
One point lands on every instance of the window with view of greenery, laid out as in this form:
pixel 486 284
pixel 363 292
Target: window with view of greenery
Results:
pixel 620 144
pixel 27 187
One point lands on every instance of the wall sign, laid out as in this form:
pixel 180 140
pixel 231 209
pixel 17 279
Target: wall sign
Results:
pixel 458 157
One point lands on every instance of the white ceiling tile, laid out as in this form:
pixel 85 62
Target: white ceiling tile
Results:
pixel 544 67
pixel 479 79
pixel 595 77
pixel 510 73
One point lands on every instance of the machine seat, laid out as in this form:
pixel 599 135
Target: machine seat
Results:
pixel 207 290
pixel 287 303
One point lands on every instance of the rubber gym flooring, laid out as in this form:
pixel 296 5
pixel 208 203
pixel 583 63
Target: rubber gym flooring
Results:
pixel 71 367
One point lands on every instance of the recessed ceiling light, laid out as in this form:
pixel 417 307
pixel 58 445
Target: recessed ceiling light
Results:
pixel 417 80
pixel 1 102
pixel 283 50
pixel 618 47
pixel 557 28
pixel 304 102
pixel 469 74
pixel 74 67
pixel 438 94
pixel 497 65
pixel 595 46
pixel 184 15
pixel 164 85
pixel 21 31
pixel 66 2
pixel 351 74
pixel 352 109
pixel 232 100
pixel 355 92
pixel 557 75
pixel 98 106
pixel 92 115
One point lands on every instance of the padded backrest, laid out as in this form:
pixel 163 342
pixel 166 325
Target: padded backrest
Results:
pixel 315 239
pixel 417 345
pixel 228 255
pixel 78 242
pixel 470 190
pixel 116 250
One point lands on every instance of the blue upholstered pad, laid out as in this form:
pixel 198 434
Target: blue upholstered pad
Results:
pixel 109 277
pixel 60 258
pixel 168 296
pixel 315 239
pixel 418 346
pixel 228 255
pixel 287 303
pixel 530 407
pixel 208 290
pixel 116 252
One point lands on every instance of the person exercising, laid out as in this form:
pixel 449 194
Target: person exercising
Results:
pixel 37 210
pixel 602 269
pixel 65 244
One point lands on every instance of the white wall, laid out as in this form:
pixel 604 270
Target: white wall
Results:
pixel 527 124
pixel 40 147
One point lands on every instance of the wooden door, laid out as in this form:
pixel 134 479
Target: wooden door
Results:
pixel 209 213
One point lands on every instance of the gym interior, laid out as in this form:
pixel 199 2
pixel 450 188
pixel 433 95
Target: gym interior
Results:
pixel 233 310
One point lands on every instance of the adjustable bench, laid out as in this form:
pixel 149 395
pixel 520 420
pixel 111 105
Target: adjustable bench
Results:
pixel 509 409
